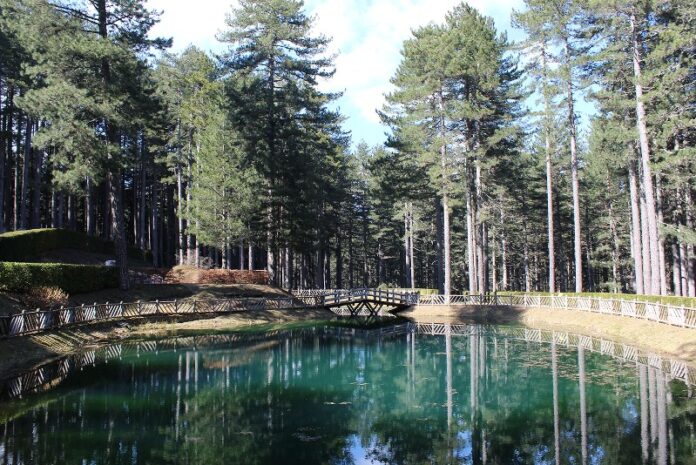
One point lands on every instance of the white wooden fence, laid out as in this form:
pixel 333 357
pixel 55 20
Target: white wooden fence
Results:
pixel 662 313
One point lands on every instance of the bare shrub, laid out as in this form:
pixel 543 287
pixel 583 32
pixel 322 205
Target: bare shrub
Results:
pixel 44 297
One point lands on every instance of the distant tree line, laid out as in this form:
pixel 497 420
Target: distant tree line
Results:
pixel 488 181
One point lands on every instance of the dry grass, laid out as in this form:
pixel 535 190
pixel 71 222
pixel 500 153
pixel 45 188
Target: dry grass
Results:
pixel 186 274
pixel 44 297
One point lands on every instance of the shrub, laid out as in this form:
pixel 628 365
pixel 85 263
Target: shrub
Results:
pixel 30 244
pixel 44 297
pixel 73 279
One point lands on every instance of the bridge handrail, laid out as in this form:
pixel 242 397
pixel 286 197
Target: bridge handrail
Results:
pixel 674 315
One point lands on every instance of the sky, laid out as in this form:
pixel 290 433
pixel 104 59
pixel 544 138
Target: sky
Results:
pixel 367 37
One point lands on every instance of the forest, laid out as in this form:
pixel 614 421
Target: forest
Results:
pixel 490 179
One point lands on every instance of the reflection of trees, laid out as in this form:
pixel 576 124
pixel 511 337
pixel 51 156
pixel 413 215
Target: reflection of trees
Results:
pixel 418 399
pixel 252 426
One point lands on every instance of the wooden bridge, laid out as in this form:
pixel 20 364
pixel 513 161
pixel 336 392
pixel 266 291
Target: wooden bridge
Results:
pixel 372 301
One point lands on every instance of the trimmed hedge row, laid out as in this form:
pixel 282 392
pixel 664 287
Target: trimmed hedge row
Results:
pixel 73 279
pixel 26 245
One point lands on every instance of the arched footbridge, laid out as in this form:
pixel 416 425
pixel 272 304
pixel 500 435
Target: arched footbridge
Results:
pixel 366 301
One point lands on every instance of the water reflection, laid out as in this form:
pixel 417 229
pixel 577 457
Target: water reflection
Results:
pixel 412 394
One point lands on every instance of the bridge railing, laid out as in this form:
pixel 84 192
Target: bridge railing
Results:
pixel 338 297
pixel 662 313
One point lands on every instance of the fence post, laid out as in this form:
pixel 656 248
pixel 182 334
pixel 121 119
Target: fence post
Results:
pixel 194 305
pixel 120 306
pixel 176 305
pixel 157 307
pixel 140 307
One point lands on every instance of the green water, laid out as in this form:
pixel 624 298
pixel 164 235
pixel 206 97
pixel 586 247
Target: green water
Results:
pixel 310 398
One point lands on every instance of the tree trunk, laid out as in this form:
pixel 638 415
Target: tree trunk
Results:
pixel 119 229
pixel 446 284
pixel 447 263
pixel 645 243
pixel 24 197
pixel 251 257
pixel 15 184
pixel 5 145
pixel 661 240
pixel 351 280
pixel 615 238
pixel 527 276
pixel 36 192
pixel 439 255
pixel 676 270
pixel 479 234
pixel 470 241
pixel 90 210
pixel 320 268
pixel 190 243
pixel 689 258
pixel 503 251
pixel 577 234
pixel 412 280
pixel 241 255
pixel 549 178
pixel 650 208
pixel 637 247
pixel 407 256
pixel 72 213
pixel 154 220
pixel 143 196
pixel 339 261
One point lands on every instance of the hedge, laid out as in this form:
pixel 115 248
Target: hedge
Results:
pixel 73 279
pixel 20 246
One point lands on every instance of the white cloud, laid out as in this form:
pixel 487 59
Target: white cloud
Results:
pixel 367 38
pixel 191 22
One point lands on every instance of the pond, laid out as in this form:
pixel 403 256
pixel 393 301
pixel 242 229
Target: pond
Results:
pixel 400 394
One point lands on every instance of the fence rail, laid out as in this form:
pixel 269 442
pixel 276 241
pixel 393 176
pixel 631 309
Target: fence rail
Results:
pixel 24 323
pixel 662 313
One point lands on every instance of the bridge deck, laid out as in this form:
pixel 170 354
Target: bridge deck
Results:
pixel 372 300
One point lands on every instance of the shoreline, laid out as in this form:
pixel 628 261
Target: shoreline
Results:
pixel 29 352
pixel 672 341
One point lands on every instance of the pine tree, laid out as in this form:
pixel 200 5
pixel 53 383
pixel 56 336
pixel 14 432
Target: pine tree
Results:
pixel 276 62
pixel 87 106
